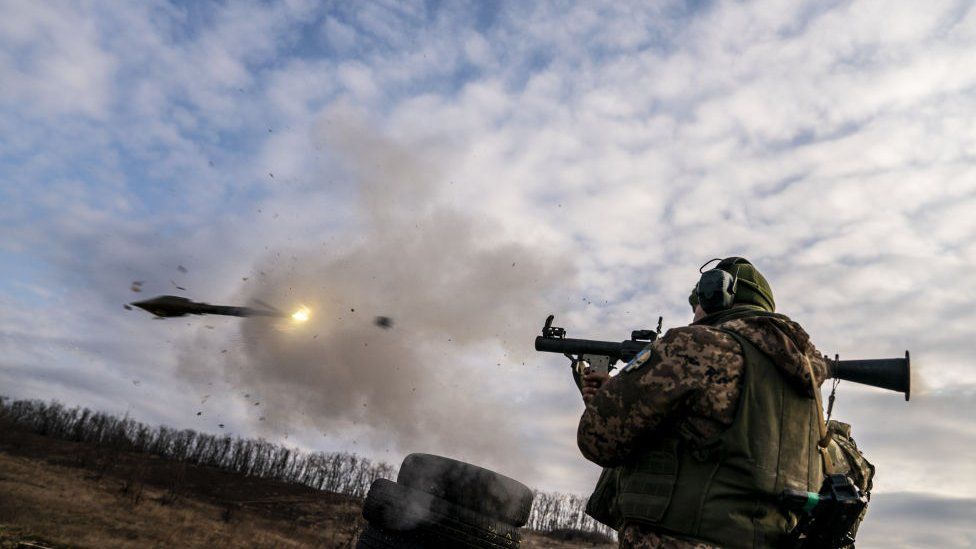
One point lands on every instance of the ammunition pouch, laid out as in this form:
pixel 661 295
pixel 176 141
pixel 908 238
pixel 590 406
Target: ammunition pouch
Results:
pixel 832 517
pixel 602 505
pixel 849 461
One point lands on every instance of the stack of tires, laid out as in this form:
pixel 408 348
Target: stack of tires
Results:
pixel 440 502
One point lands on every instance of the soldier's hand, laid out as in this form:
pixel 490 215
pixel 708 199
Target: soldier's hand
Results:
pixel 592 382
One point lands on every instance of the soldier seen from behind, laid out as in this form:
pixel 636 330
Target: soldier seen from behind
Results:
pixel 699 437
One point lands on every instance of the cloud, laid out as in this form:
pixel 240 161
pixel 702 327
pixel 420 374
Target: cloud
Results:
pixel 66 73
pixel 826 141
pixel 908 519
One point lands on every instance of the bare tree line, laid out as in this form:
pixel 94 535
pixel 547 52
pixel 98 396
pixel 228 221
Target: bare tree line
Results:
pixel 339 472
pixel 558 511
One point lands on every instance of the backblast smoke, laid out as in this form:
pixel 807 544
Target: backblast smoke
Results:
pixel 443 374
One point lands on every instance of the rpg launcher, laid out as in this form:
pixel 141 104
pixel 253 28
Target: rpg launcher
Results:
pixel 600 356
pixel 893 374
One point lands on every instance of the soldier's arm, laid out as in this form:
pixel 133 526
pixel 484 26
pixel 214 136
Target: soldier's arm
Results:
pixel 691 368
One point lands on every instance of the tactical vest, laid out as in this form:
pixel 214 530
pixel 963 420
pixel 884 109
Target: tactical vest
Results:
pixel 723 491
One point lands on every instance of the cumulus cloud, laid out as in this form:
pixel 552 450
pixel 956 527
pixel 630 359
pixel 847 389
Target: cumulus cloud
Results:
pixel 66 73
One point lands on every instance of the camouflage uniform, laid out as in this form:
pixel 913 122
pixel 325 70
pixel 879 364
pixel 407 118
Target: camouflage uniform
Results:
pixel 636 536
pixel 690 384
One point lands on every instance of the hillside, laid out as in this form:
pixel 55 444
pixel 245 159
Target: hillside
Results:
pixel 65 493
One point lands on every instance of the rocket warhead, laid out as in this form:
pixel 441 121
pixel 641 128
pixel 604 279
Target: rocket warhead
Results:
pixel 166 306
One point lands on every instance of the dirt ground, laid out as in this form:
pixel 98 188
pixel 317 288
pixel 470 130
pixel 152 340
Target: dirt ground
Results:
pixel 56 493
pixel 62 506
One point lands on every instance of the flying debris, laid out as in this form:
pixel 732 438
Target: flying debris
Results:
pixel 384 322
pixel 136 286
pixel 166 306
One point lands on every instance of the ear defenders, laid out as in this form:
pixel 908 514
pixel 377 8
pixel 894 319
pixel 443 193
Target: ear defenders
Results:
pixel 716 287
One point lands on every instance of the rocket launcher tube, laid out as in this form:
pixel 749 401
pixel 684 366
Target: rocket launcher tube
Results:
pixel 887 373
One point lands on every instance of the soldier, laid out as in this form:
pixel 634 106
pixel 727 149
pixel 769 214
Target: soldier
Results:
pixel 699 437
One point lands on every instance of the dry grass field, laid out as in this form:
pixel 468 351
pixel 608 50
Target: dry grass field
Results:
pixel 61 506
pixel 56 493
pixel 128 504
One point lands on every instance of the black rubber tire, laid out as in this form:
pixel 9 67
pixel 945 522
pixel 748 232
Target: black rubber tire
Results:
pixel 374 538
pixel 476 488
pixel 395 508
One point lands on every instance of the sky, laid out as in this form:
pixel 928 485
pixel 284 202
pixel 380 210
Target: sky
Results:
pixel 466 169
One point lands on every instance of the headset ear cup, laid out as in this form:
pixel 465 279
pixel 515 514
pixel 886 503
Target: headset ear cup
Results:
pixel 716 290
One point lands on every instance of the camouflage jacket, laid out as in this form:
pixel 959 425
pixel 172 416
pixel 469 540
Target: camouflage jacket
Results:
pixel 691 384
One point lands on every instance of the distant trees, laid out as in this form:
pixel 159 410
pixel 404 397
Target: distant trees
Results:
pixel 339 472
pixel 558 511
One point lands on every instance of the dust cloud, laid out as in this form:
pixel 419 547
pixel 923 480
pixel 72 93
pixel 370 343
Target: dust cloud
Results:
pixel 444 377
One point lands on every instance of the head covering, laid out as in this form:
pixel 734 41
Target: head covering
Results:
pixel 751 286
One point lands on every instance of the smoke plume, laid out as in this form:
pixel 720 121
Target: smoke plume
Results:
pixel 464 310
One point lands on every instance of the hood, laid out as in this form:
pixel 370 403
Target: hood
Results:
pixel 785 342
